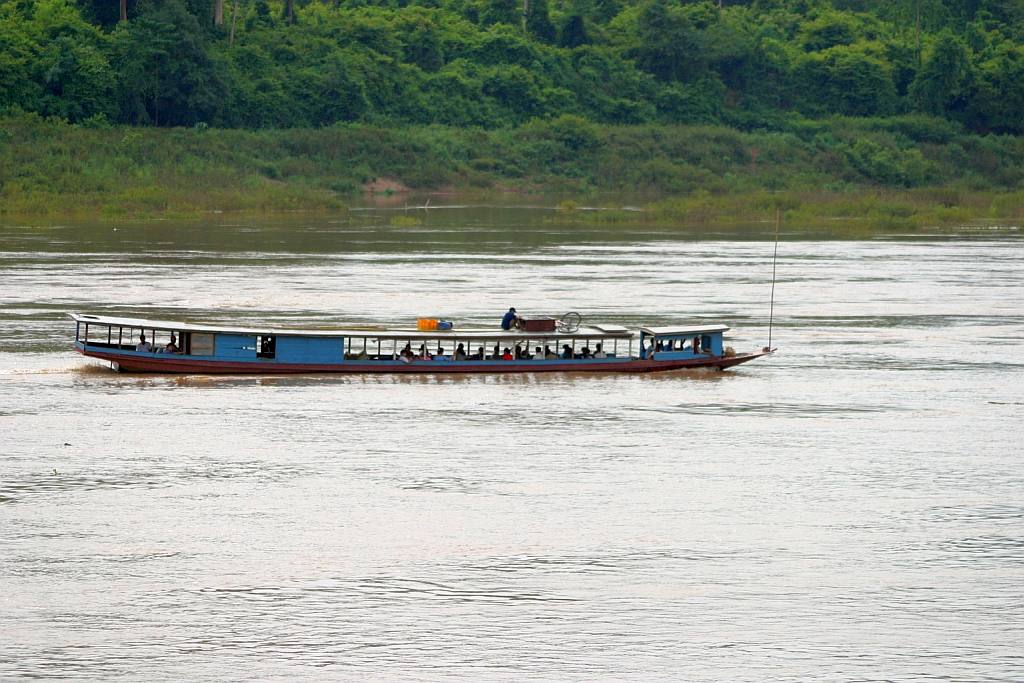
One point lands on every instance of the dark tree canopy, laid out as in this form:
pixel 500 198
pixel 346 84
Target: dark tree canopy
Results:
pixel 493 63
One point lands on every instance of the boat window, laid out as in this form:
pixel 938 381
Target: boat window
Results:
pixel 202 344
pixel 266 347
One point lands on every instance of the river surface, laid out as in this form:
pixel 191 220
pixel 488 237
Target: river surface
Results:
pixel 850 509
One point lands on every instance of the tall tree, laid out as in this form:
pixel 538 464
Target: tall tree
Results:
pixel 669 45
pixel 944 76
pixel 168 76
pixel 423 46
pixel 537 21
pixel 501 12
pixel 999 100
pixel 574 32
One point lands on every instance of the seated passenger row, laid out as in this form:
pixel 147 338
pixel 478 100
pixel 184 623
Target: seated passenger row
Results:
pixel 407 354
pixel 676 346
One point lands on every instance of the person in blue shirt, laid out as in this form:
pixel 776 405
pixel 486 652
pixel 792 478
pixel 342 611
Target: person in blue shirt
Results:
pixel 510 320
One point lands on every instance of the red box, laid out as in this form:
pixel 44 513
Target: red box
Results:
pixel 538 324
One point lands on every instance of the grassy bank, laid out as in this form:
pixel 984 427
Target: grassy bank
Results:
pixel 899 172
pixel 863 212
pixel 858 212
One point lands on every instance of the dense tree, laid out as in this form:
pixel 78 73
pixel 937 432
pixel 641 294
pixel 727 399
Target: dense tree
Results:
pixel 574 32
pixel 501 12
pixel 944 78
pixel 492 63
pixel 829 29
pixel 341 96
pixel 168 75
pixel 859 84
pixel 538 21
pixel 669 45
pixel 423 45
pixel 78 83
pixel 999 100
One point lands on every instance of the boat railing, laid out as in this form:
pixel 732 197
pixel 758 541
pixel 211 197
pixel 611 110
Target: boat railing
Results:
pixel 522 346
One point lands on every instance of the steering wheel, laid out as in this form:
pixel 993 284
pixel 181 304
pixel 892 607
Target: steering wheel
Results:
pixel 570 322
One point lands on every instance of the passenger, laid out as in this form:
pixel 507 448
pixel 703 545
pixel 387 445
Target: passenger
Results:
pixel 423 354
pixel 650 350
pixel 440 355
pixel 172 346
pixel 496 355
pixel 566 352
pixel 585 352
pixel 519 353
pixel 599 352
pixel 549 354
pixel 696 345
pixel 479 355
pixel 460 352
pixel 511 320
pixel 407 356
pixel 144 345
pixel 538 354
pixel 508 354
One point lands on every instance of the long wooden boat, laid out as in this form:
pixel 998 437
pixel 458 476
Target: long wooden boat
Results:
pixel 209 349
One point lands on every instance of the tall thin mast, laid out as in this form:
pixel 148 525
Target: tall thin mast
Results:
pixel 775 257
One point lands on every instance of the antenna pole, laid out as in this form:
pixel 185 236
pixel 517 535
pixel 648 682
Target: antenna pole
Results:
pixel 775 257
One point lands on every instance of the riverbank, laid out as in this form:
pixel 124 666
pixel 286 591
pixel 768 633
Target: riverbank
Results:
pixel 874 173
pixel 864 211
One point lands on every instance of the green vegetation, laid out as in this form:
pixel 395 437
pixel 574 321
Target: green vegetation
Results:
pixel 899 171
pixel 157 106
pixel 862 212
pixel 499 63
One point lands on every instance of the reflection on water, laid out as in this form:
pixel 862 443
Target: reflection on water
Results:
pixel 473 225
pixel 851 505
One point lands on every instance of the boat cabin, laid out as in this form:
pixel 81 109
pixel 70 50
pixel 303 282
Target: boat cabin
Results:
pixel 597 343
pixel 681 343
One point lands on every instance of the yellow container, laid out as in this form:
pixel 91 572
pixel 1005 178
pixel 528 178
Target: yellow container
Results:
pixel 426 324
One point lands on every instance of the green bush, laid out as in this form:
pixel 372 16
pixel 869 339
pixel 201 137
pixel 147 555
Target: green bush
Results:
pixel 46 165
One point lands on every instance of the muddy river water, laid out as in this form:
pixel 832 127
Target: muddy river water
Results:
pixel 850 509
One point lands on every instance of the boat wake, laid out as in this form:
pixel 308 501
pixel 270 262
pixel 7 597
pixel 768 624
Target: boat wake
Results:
pixel 77 369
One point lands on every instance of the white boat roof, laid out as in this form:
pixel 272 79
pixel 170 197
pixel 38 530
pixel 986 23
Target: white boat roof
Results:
pixel 683 330
pixel 370 332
